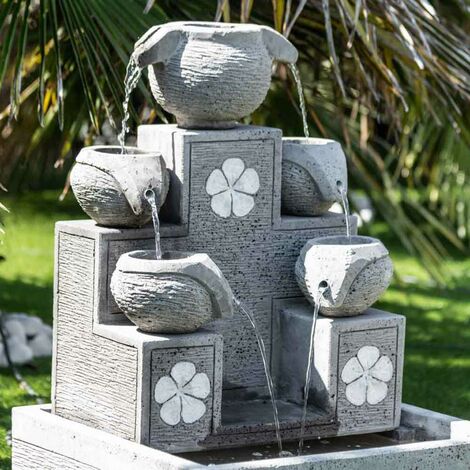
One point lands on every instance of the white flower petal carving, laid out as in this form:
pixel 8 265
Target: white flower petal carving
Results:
pixel 242 204
pixel 232 189
pixel 181 394
pixel 356 391
pixel 376 391
pixel 182 373
pixel 352 370
pixel 170 412
pixel 165 389
pixel 368 356
pixel 248 183
pixel 199 387
pixel 233 169
pixel 216 183
pixel 193 409
pixel 221 204
pixel 366 376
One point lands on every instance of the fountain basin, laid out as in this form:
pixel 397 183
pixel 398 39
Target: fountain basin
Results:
pixel 110 186
pixel 176 294
pixel 357 270
pixel 426 439
pixel 311 169
pixel 209 75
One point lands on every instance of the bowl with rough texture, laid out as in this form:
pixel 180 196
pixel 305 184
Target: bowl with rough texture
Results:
pixel 176 294
pixel 353 271
pixel 209 75
pixel 311 170
pixel 110 185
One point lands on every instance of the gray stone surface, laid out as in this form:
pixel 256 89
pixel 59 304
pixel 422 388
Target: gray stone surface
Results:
pixel 177 294
pixel 338 344
pixel 311 169
pixel 44 441
pixel 103 376
pixel 209 75
pixel 110 186
pixel 256 252
pixel 357 271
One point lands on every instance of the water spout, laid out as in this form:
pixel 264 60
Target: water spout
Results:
pixel 269 379
pixel 345 203
pixel 151 197
pixel 303 109
pixel 133 73
pixel 322 288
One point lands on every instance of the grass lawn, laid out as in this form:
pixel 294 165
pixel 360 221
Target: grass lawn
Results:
pixel 437 363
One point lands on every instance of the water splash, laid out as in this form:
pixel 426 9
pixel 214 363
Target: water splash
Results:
pixel 269 379
pixel 345 203
pixel 151 197
pixel 295 72
pixel 133 73
pixel 322 287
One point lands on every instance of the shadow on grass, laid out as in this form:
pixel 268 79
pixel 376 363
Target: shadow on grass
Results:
pixel 28 297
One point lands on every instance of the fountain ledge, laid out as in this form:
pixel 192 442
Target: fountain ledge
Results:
pixel 41 438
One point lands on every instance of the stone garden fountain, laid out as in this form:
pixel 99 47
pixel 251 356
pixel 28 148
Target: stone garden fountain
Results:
pixel 242 323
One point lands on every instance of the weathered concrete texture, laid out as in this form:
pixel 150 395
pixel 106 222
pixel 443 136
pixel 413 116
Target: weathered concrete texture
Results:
pixel 176 294
pixel 311 170
pixel 358 365
pixel 256 252
pixel 356 270
pixel 44 441
pixel 57 443
pixel 105 377
pixel 110 186
pixel 209 75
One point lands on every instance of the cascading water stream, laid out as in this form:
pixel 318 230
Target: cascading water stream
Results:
pixel 269 379
pixel 345 203
pixel 322 287
pixel 295 72
pixel 133 73
pixel 152 200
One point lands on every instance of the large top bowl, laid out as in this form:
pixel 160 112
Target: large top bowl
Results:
pixel 209 75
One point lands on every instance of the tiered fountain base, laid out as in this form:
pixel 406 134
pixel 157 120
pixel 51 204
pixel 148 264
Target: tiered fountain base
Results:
pixel 119 394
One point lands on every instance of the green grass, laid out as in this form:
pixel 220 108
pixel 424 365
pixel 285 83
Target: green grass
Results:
pixel 437 362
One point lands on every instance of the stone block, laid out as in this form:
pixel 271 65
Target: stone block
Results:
pixel 358 365
pixel 105 374
pixel 243 232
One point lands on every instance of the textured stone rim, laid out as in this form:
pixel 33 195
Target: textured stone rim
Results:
pixel 197 266
pixel 348 242
pixel 305 141
pixel 89 155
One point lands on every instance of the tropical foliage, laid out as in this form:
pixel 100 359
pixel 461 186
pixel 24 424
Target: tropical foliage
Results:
pixel 389 79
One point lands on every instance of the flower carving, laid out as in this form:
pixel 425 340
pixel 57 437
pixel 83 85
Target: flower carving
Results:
pixel 181 394
pixel 366 376
pixel 232 188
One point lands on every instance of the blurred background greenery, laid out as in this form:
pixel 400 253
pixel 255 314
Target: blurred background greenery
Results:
pixel 389 79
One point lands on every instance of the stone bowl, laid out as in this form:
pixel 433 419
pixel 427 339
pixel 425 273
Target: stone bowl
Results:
pixel 209 75
pixel 355 271
pixel 110 186
pixel 177 294
pixel 311 169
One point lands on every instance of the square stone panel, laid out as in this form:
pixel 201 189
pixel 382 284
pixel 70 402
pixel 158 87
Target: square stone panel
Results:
pixel 171 437
pixel 367 416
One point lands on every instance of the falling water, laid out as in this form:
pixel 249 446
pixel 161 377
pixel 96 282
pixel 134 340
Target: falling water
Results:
pixel 133 73
pixel 269 379
pixel 152 200
pixel 322 287
pixel 300 91
pixel 345 203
